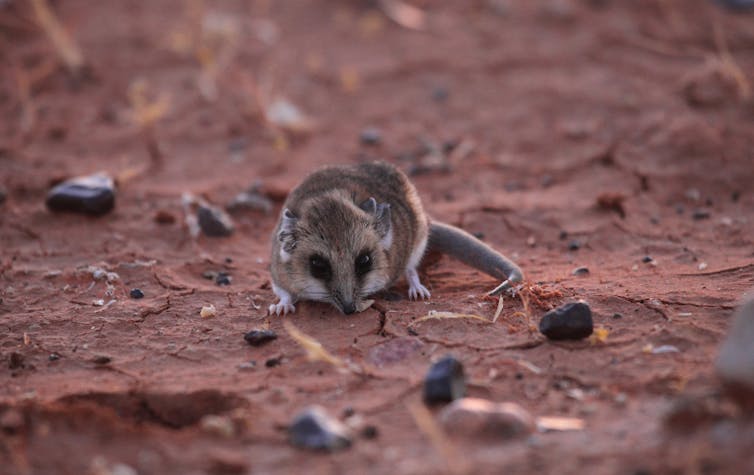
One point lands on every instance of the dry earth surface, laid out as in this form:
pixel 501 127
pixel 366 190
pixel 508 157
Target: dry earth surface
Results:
pixel 583 133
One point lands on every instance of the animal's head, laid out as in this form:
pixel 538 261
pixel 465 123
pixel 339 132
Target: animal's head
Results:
pixel 335 249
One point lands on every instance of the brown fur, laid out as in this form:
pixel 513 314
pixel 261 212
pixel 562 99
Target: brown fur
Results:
pixel 331 224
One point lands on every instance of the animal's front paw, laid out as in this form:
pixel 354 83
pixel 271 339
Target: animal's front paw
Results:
pixel 418 291
pixel 415 288
pixel 282 307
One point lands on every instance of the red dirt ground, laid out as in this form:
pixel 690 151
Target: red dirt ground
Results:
pixel 639 106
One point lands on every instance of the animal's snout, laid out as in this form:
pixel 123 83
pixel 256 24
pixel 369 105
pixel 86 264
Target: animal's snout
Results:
pixel 349 308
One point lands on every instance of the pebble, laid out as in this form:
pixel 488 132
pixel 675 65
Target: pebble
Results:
pixel 208 311
pixel 735 362
pixel 314 429
pixel 214 222
pixel 53 357
pixel 370 136
pixel 700 214
pixel 737 5
pixel 445 381
pixel 164 217
pixel 16 360
pixel 370 432
pixel 92 194
pixel 222 278
pixel 574 245
pixel 102 360
pixel 646 259
pixel 580 271
pixel 259 337
pixel 251 364
pixel 440 94
pixel 478 417
pixel 136 294
pixel 272 362
pixel 251 199
pixel 572 321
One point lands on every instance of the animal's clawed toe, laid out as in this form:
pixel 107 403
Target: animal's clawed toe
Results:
pixel 417 292
pixel 282 308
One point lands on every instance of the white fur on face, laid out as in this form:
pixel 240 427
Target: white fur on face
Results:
pixel 284 256
pixel 373 283
pixel 314 290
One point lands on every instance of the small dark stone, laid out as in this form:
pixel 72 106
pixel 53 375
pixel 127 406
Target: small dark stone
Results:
pixel 445 381
pixel 214 222
pixel 574 245
pixel 3 195
pixel 450 145
pixel 93 195
pixel 617 316
pixel 370 136
pixel 512 186
pixel 348 411
pixel 654 220
pixel 53 357
pixel 700 214
pixel 229 260
pixel 370 432
pixel 412 332
pixel 440 94
pixel 479 235
pixel 238 144
pixel 259 337
pixel 580 271
pixel 16 360
pixel 222 278
pixel 519 376
pixel 563 235
pixel 250 200
pixel 102 360
pixel 572 321
pixel 164 217
pixel 314 429
pixel 136 294
pixel 735 196
pixel 737 5
pixel 646 259
pixel 272 362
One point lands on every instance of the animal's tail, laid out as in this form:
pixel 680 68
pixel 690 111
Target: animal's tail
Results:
pixel 471 251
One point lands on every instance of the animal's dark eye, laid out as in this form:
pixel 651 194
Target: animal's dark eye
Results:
pixel 320 268
pixel 363 263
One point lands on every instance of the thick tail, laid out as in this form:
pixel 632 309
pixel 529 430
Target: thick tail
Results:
pixel 471 251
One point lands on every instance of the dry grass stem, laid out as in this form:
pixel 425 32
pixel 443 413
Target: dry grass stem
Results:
pixel 435 315
pixel 67 49
pixel 316 352
pixel 426 423
pixel 499 309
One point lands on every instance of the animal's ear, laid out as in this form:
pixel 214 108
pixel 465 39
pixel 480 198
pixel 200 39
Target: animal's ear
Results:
pixel 382 223
pixel 287 234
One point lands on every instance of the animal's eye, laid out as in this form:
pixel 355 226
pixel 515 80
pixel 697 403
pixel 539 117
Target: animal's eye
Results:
pixel 363 263
pixel 320 268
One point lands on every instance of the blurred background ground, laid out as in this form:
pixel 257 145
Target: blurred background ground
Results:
pixel 606 134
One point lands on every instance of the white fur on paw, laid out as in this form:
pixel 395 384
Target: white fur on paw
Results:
pixel 418 291
pixel 282 307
